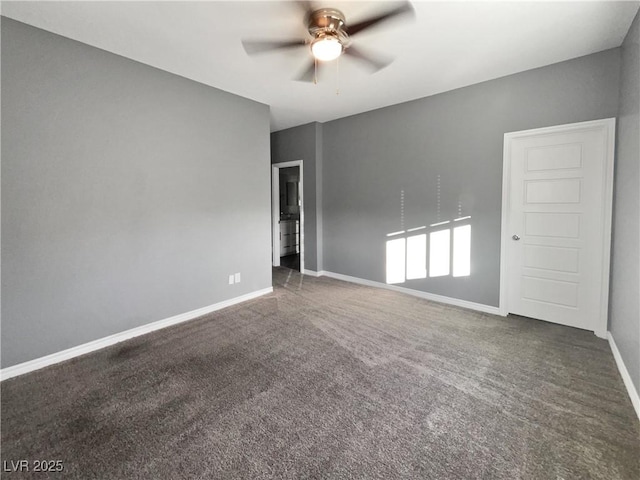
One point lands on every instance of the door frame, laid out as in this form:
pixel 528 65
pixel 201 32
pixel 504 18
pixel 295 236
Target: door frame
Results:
pixel 275 210
pixel 608 125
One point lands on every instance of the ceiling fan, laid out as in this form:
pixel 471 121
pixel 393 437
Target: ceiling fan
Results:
pixel 330 37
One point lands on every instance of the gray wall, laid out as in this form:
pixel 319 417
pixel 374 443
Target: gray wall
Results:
pixel 624 313
pixel 370 159
pixel 128 194
pixel 300 143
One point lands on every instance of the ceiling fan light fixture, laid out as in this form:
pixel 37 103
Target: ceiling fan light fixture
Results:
pixel 326 48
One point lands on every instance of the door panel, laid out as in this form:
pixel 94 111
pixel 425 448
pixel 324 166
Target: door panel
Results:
pixel 550 291
pixel 555 220
pixel 553 191
pixel 557 259
pixel 554 157
pixel 557 225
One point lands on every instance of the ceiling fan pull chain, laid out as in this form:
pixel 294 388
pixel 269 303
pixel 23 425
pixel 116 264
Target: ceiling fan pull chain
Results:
pixel 315 71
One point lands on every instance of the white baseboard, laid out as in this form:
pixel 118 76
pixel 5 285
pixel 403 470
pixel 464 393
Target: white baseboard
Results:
pixel 416 293
pixel 624 373
pixel 311 273
pixel 94 345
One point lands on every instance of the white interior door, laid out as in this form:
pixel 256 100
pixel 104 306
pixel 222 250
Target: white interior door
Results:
pixel 558 223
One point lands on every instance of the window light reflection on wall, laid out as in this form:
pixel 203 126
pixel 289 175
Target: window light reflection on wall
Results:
pixel 395 260
pixel 417 257
pixel 462 251
pixel 447 246
pixel 439 253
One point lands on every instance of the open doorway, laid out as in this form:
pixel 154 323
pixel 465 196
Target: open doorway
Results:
pixel 287 207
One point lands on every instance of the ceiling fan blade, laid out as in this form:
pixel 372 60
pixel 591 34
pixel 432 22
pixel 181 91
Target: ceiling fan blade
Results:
pixel 309 74
pixel 254 47
pixel 375 63
pixel 405 7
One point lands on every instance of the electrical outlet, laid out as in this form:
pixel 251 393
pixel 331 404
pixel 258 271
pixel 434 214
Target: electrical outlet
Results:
pixel 231 277
pixel 237 277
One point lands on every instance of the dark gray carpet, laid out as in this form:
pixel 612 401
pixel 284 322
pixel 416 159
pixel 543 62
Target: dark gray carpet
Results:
pixel 325 379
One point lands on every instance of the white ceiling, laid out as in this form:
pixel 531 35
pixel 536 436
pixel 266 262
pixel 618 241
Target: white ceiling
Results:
pixel 448 45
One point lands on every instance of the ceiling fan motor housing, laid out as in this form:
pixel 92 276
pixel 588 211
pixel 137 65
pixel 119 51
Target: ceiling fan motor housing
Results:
pixel 328 22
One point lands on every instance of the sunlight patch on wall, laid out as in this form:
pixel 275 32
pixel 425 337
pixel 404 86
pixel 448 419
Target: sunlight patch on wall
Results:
pixel 462 251
pixel 417 257
pixel 439 253
pixel 395 260
pixel 448 251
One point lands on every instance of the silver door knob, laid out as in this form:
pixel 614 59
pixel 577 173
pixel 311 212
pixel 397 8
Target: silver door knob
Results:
pixel 516 237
